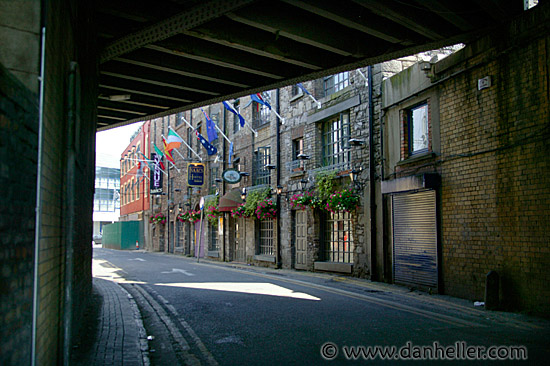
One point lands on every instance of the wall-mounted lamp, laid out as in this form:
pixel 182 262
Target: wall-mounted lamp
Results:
pixel 218 180
pixel 243 194
pixel 279 190
pixel 303 184
pixel 356 142
pixel 177 190
pixel 303 157
pixel 271 166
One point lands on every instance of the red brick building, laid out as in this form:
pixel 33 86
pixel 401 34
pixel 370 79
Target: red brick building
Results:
pixel 134 191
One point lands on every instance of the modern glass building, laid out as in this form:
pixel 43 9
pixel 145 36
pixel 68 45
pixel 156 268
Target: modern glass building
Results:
pixel 106 197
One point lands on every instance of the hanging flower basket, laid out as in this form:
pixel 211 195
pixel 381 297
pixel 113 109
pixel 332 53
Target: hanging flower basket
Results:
pixel 183 216
pixel 212 214
pixel 158 218
pixel 267 209
pixel 194 216
pixel 300 201
pixel 239 212
pixel 344 200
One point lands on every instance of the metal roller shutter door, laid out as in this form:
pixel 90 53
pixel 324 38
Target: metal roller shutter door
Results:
pixel 415 239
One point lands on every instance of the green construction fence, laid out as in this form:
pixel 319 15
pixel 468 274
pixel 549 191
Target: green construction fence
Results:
pixel 123 235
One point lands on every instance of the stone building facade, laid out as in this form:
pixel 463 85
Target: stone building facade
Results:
pixel 449 166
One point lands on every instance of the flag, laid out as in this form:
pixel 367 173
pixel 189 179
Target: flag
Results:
pixel 167 152
pixel 303 88
pixel 159 153
pixel 258 99
pixel 210 150
pixel 173 141
pixel 210 128
pixel 232 110
pixel 230 152
pixel 149 163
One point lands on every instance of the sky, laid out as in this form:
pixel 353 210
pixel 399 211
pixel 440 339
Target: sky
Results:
pixel 110 144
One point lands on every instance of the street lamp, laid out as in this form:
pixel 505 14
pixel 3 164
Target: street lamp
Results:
pixel 303 184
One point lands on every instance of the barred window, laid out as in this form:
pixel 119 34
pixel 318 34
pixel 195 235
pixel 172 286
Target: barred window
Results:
pixel 212 180
pixel 336 82
pixel 262 175
pixel 214 245
pixel 338 243
pixel 336 133
pixel 266 246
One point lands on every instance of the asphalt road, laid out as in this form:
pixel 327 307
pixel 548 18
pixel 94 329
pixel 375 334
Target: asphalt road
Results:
pixel 205 313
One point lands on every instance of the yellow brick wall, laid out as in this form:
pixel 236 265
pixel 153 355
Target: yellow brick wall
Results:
pixel 495 208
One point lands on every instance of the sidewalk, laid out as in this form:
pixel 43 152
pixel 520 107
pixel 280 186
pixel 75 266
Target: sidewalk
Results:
pixel 120 337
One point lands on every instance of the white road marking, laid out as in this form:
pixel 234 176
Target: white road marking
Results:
pixel 177 270
pixel 138 259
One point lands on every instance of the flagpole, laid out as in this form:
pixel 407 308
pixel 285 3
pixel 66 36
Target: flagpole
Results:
pixel 185 143
pixel 299 85
pixel 147 161
pixel 151 161
pixel 246 123
pixel 223 134
pixel 278 115
pixel 364 77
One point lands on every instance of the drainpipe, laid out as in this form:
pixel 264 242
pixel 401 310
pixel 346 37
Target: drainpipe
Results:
pixel 372 179
pixel 72 133
pixel 278 180
pixel 38 209
pixel 224 166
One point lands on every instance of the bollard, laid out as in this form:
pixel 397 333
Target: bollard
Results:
pixel 492 283
pixel 137 245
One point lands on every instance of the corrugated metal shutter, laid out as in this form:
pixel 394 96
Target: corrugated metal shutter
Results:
pixel 415 239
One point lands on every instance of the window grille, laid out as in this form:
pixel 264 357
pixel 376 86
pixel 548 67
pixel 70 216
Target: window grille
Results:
pixel 262 175
pixel 338 243
pixel 214 245
pixel 266 246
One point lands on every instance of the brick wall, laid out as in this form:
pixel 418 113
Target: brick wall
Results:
pixel 18 146
pixel 496 201
pixel 20 22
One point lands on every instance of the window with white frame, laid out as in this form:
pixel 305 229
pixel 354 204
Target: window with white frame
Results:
pixel 335 141
pixel 214 245
pixel 335 83
pixel 266 240
pixel 418 129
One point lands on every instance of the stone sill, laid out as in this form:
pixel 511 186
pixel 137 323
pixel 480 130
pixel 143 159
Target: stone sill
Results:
pixel 417 158
pixel 265 258
pixel 297 96
pixel 213 254
pixel 333 267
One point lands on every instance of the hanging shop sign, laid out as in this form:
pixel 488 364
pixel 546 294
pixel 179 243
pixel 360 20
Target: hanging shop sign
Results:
pixel 156 175
pixel 231 176
pixel 195 174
